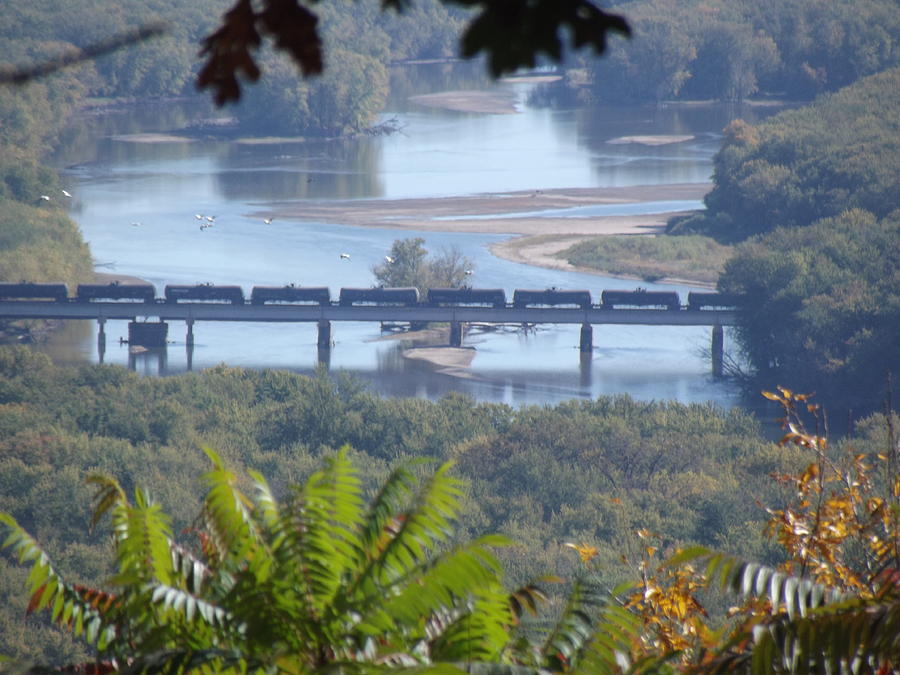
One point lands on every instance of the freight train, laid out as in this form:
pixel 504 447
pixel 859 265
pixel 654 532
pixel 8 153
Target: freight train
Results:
pixel 375 296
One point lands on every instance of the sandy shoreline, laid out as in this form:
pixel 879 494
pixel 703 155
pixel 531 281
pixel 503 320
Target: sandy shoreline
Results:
pixel 538 239
pixel 454 214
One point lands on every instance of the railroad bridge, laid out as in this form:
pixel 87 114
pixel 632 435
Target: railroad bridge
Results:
pixel 457 307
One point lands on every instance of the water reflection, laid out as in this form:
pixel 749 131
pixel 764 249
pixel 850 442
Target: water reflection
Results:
pixel 337 169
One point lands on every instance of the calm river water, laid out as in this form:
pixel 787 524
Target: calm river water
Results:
pixel 117 181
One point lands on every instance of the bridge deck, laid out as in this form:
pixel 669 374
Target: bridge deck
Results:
pixel 309 313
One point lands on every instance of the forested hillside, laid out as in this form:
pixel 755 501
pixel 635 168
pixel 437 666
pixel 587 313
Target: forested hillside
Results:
pixel 817 191
pixel 585 470
pixel 627 482
pixel 38 241
pixel 840 152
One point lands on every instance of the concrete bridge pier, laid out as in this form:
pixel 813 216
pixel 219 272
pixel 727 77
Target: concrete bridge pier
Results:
pixel 189 338
pixel 456 334
pixel 324 341
pixel 101 339
pixel 587 338
pixel 717 350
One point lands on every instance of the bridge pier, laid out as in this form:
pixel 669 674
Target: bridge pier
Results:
pixel 456 334
pixel 587 338
pixel 189 338
pixel 148 334
pixel 101 339
pixel 324 341
pixel 717 350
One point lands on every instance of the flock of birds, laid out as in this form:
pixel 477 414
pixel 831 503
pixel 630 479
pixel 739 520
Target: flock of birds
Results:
pixel 207 222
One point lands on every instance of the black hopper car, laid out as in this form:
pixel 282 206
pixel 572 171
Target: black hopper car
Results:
pixel 394 297
pixel 551 297
pixel 640 298
pixel 204 293
pixel 699 300
pixel 290 294
pixel 466 297
pixel 115 291
pixel 33 291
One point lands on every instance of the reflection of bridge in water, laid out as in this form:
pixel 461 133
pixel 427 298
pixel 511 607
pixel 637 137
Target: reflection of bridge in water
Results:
pixel 153 327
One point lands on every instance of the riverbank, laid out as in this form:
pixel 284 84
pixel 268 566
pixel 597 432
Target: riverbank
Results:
pixel 537 239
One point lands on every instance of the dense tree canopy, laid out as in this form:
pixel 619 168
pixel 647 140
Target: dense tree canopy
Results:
pixel 838 153
pixel 822 306
pixel 732 49
pixel 585 470
pixel 313 565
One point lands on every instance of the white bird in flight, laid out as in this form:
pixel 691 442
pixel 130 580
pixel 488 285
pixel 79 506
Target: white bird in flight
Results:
pixel 389 260
pixel 46 198
pixel 469 272
pixel 268 221
pixel 211 218
pixel 135 224
pixel 345 256
pixel 198 216
pixel 66 193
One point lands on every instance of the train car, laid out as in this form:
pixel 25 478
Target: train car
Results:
pixel 115 291
pixel 290 294
pixel 640 298
pixel 699 300
pixel 33 291
pixel 466 297
pixel 404 297
pixel 551 297
pixel 204 293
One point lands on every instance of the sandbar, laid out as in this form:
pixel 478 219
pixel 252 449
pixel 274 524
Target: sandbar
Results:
pixel 492 102
pixel 153 138
pixel 453 214
pixel 659 139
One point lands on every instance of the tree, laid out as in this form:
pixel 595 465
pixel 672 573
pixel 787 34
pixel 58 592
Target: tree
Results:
pixel 833 606
pixel 822 306
pixel 513 34
pixel 408 264
pixel 318 582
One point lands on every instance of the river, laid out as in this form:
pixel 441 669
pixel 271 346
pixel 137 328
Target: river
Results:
pixel 118 178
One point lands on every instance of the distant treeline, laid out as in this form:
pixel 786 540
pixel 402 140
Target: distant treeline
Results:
pixel 732 49
pixel 580 471
pixel 360 39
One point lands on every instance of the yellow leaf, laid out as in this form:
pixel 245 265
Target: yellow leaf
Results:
pixel 772 397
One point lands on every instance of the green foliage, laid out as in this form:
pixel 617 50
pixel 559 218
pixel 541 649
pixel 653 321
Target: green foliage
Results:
pixel 408 264
pixel 583 470
pixel 319 580
pixel 823 306
pixel 730 50
pixel 688 257
pixel 811 163
pixel 41 244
